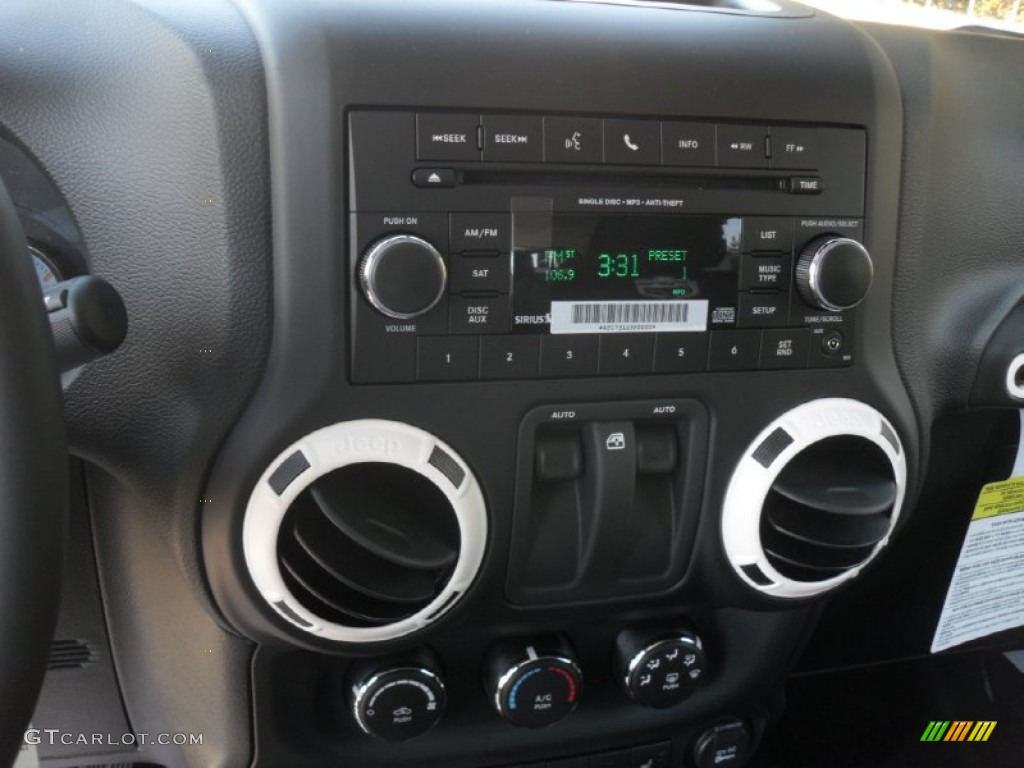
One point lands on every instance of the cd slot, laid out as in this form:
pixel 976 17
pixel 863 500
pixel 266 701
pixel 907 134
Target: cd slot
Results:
pixel 648 178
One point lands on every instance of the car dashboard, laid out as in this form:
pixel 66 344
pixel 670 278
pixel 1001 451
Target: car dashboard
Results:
pixel 510 383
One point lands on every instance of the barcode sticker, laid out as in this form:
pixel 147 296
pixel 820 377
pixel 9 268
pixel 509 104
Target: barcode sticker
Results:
pixel 628 316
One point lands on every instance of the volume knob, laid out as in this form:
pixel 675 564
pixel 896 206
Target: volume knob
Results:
pixel 403 276
pixel 834 273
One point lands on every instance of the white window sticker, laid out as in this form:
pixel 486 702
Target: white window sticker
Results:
pixel 985 595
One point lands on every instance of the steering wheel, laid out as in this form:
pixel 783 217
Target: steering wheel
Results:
pixel 33 485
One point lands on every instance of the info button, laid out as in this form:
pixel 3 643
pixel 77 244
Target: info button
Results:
pixel 688 144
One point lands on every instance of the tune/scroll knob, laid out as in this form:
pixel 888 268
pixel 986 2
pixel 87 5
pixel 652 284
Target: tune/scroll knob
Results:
pixel 403 276
pixel 834 273
pixel 534 684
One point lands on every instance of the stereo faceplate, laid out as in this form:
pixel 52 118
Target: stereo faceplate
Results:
pixel 678 256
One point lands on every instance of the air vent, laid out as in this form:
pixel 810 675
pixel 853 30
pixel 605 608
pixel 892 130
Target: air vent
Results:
pixel 828 509
pixel 380 535
pixel 368 545
pixel 814 498
pixel 71 654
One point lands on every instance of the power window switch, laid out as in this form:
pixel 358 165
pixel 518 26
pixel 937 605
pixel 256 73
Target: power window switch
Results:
pixel 559 456
pixel 657 450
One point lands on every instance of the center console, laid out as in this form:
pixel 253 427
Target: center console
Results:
pixel 582 394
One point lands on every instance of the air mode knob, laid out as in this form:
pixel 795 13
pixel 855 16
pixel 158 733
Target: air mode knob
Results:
pixel 661 670
pixel 403 276
pixel 834 273
pixel 533 684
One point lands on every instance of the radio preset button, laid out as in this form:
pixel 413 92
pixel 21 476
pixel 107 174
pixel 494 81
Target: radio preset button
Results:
pixel 734 350
pixel 479 315
pixel 681 352
pixel 763 310
pixel 795 148
pixel 742 146
pixel 446 137
pixel 632 142
pixel 509 357
pixel 767 234
pixel 785 348
pixel 573 140
pixel 688 144
pixel 513 139
pixel 480 273
pixel 626 353
pixel 447 358
pixel 568 355
pixel 765 272
pixel 480 232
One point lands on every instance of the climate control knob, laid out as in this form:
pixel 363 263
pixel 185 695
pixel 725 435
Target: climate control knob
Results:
pixel 834 273
pixel 397 703
pixel 403 276
pixel 534 684
pixel 660 671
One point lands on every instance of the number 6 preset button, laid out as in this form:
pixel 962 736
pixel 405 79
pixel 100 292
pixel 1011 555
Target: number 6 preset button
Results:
pixel 568 355
pixel 734 350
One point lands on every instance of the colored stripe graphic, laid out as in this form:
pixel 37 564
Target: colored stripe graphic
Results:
pixel 982 730
pixel 935 731
pixel 958 730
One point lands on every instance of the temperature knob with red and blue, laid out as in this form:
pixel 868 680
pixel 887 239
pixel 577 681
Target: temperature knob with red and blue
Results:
pixel 534 684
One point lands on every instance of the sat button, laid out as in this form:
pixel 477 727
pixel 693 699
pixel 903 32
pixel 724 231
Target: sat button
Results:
pixel 479 273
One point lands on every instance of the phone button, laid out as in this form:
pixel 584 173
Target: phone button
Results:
pixel 632 142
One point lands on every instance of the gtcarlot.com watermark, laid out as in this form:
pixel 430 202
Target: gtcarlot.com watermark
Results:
pixel 55 736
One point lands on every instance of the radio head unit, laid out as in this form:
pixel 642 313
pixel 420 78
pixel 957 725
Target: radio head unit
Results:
pixel 535 268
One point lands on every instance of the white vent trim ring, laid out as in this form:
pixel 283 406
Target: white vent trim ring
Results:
pixel 751 482
pixel 341 445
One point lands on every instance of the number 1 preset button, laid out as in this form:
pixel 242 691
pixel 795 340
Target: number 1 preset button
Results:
pixel 568 354
pixel 448 358
pixel 626 353
pixel 509 357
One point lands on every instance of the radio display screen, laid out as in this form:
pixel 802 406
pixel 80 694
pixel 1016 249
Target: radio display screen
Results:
pixel 602 273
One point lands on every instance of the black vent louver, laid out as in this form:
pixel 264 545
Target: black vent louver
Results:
pixel 71 654
pixel 368 545
pixel 828 509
